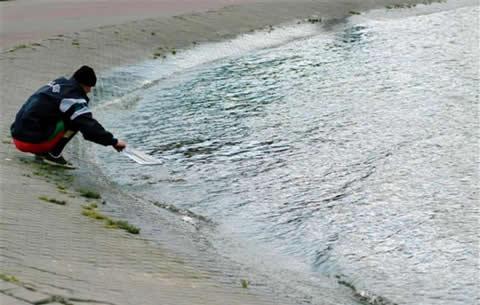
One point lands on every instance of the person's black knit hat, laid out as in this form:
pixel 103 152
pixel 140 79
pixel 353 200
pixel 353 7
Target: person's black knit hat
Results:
pixel 85 76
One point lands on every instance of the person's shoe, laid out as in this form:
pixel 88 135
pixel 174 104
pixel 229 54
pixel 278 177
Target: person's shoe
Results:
pixel 57 161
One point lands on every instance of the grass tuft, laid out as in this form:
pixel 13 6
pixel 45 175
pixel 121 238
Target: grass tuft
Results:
pixel 314 20
pixel 89 194
pixel 52 200
pixel 18 47
pixel 90 211
pixel 8 278
pixel 124 225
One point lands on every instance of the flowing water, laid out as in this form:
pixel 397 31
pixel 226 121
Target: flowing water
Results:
pixel 345 152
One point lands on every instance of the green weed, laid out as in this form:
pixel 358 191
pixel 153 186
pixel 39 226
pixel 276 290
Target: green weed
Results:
pixel 52 200
pixel 122 224
pixel 90 211
pixel 18 47
pixel 8 278
pixel 89 194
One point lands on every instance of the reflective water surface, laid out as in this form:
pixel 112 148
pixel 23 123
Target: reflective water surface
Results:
pixel 348 154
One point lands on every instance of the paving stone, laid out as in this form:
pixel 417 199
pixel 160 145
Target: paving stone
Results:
pixel 28 295
pixel 7 285
pixel 8 300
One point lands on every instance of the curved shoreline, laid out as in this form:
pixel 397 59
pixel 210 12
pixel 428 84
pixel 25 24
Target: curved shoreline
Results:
pixel 56 251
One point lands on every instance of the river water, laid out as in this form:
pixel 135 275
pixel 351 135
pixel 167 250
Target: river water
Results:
pixel 344 152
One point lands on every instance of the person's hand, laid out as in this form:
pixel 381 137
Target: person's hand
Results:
pixel 120 145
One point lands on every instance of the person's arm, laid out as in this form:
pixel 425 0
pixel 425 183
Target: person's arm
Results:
pixel 93 131
pixel 80 117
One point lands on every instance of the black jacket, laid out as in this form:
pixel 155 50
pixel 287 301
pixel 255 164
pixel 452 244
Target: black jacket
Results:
pixel 62 99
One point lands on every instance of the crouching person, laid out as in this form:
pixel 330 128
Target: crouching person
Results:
pixel 52 116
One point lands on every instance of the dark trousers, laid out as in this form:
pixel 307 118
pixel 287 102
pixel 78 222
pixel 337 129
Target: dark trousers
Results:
pixel 58 148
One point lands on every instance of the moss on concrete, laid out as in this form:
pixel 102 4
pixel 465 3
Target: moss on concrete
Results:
pixel 91 212
pixel 8 278
pixel 89 194
pixel 52 200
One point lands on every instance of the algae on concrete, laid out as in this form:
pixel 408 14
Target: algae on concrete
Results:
pixel 90 211
pixel 89 194
pixel 52 200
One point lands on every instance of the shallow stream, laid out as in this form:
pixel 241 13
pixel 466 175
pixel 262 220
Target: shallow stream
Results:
pixel 343 152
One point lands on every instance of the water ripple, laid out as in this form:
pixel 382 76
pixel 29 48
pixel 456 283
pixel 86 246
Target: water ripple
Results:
pixel 353 152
